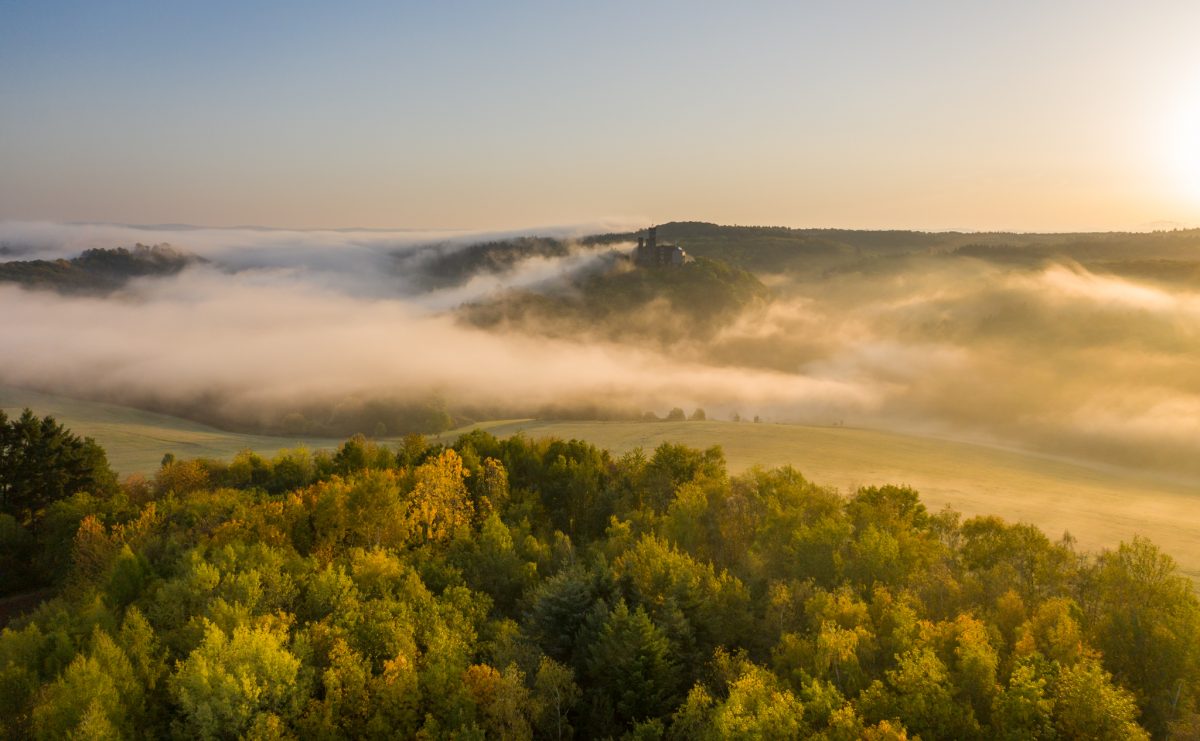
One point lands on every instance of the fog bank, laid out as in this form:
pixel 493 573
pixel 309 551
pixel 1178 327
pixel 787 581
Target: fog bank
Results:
pixel 1058 357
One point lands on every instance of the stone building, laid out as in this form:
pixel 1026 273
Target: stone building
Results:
pixel 650 253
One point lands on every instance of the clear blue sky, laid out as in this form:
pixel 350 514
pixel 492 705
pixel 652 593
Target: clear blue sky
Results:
pixel 1022 115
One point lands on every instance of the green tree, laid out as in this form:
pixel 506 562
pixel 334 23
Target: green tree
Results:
pixel 555 695
pixel 714 606
pixel 999 557
pixel 412 449
pixel 558 614
pixel 1022 710
pixel 1088 705
pixel 631 664
pixel 347 703
pixel 42 462
pixel 755 707
pixel 673 465
pixel 837 655
pixel 98 693
pixel 228 681
pixel 491 564
pixel 360 454
pixel 575 488
pixel 1148 629
pixel 1052 631
pixel 920 694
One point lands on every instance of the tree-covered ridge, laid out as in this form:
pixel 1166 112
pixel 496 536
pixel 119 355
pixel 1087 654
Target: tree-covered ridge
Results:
pixel 516 588
pixel 97 270
pixel 439 266
pixel 692 301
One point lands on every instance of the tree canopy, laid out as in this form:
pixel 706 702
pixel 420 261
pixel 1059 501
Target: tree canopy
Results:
pixel 547 589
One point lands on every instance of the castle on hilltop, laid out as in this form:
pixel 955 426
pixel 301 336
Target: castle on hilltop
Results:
pixel 650 253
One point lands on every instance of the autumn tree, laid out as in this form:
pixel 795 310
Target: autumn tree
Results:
pixel 755 706
pixel 439 504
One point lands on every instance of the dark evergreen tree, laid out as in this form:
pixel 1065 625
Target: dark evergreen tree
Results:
pixel 42 462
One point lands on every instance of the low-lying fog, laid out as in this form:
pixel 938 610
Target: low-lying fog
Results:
pixel 1056 357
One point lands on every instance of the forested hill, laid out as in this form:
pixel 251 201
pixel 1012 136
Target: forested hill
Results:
pixel 97 270
pixel 436 266
pixel 517 589
pixel 627 303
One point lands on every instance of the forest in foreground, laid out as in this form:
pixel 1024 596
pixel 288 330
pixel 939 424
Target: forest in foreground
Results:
pixel 512 588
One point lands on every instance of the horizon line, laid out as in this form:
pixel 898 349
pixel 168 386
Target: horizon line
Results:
pixel 1146 228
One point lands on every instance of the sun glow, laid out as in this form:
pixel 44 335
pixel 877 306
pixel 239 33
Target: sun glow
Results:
pixel 1181 145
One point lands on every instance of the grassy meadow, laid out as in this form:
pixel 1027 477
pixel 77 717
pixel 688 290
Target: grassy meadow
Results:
pixel 136 440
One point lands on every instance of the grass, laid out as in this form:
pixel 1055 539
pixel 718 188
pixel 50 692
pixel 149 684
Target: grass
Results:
pixel 1100 507
pixel 136 440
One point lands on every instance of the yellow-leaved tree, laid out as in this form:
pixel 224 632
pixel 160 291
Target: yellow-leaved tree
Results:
pixel 439 504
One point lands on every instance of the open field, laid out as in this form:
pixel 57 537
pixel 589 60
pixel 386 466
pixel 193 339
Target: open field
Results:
pixel 136 440
pixel 1099 507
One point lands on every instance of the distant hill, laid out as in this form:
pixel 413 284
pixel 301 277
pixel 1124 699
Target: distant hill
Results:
pixel 441 265
pixel 664 304
pixel 438 266
pixel 97 270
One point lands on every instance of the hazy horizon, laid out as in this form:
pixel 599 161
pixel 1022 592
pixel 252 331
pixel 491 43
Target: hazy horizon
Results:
pixel 934 116
pixel 582 228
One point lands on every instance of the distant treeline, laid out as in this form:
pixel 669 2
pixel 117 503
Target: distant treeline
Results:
pixel 518 589
pixel 765 249
pixel 760 249
pixel 441 266
pixel 336 417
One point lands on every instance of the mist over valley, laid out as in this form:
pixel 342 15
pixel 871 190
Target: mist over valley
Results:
pixel 1077 345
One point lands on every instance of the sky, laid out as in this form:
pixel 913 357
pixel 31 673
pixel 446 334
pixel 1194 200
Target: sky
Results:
pixel 1028 116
